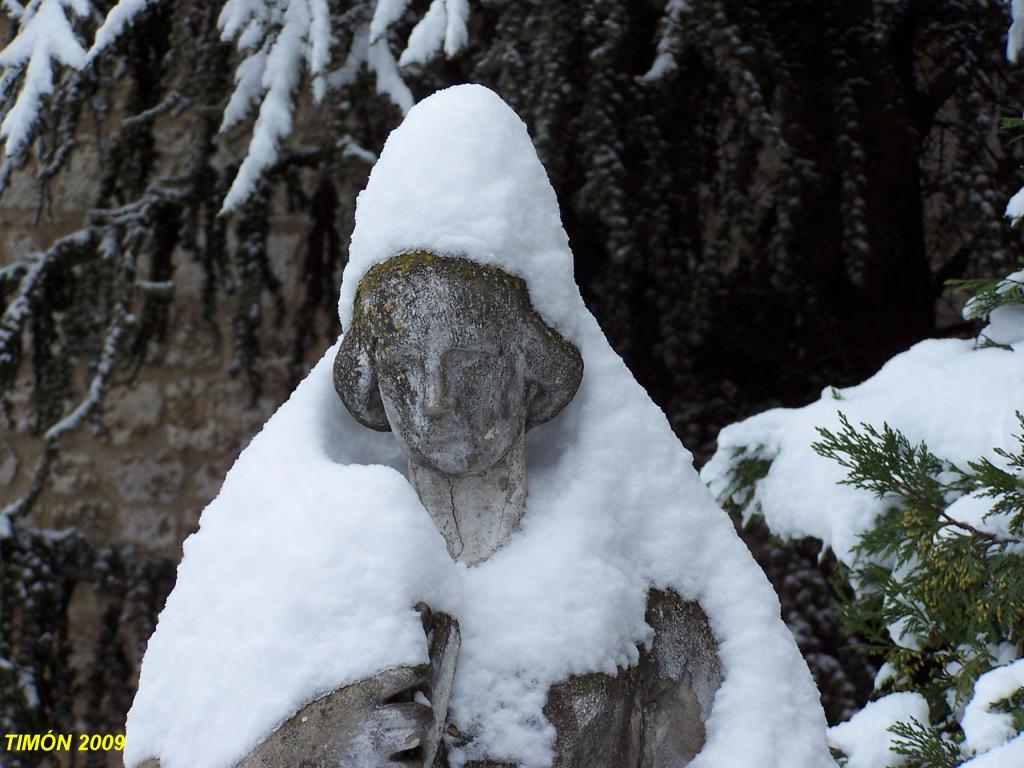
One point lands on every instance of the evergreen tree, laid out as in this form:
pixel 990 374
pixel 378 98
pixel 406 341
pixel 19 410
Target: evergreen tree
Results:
pixel 932 591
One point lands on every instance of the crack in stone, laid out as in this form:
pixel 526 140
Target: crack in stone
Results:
pixel 455 515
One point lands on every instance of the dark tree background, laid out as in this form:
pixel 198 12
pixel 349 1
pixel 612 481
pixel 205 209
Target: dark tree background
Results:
pixel 763 199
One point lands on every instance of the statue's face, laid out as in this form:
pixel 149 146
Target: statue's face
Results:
pixel 450 369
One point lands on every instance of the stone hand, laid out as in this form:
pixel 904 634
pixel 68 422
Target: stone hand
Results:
pixel 375 723
pixel 387 726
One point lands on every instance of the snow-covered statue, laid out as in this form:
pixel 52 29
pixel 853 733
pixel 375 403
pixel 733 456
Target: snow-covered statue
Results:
pixel 450 356
pixel 490 550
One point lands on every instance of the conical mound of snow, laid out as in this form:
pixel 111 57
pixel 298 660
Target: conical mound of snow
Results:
pixel 460 176
pixel 305 568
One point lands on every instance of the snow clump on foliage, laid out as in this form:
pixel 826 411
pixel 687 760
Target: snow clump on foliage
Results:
pixel 924 503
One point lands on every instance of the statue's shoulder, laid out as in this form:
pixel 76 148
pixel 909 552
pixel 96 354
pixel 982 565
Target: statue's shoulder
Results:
pixel 651 714
pixel 677 679
pixel 684 643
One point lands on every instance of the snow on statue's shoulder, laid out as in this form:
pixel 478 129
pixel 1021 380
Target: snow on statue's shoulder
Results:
pixel 460 177
pixel 294 584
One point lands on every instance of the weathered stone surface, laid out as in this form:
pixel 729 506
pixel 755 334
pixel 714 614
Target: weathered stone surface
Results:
pixel 597 720
pixel 445 640
pixel 448 328
pixel 678 679
pixel 648 716
pixel 478 513
pixel 451 357
pixel 358 725
pixel 72 474
pixel 93 515
pixel 135 414
pixel 149 526
pixel 148 479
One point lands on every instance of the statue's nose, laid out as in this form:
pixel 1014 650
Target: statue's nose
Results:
pixel 435 401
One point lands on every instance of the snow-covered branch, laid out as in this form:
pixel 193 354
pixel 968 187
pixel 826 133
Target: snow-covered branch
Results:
pixel 443 27
pixel 1015 35
pixel 298 41
pixel 139 211
pixel 120 17
pixel 8 165
pixel 18 311
pixel 100 380
pixel 281 43
pixel 173 103
pixel 283 40
pixel 665 60
pixel 32 275
pixel 97 388
pixel 164 288
pixel 44 38
pixel 64 253
pixel 112 235
pixel 351 148
pixel 12 273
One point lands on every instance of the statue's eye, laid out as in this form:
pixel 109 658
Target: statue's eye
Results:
pixel 468 353
pixel 471 356
pixel 402 359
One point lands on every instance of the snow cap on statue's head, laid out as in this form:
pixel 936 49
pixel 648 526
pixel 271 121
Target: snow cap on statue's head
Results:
pixel 460 177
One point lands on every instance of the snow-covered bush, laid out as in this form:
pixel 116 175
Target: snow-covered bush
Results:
pixel 915 479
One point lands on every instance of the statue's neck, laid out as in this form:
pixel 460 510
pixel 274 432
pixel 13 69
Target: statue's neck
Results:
pixel 476 514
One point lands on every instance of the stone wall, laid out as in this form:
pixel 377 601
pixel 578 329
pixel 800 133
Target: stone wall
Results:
pixel 167 437
pixel 170 434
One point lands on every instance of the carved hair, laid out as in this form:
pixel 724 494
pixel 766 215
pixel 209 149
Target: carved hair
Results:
pixel 554 367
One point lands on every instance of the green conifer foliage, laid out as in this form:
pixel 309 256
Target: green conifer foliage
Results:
pixel 938 599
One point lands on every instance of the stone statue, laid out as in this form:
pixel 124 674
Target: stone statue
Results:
pixel 451 357
pixel 460 592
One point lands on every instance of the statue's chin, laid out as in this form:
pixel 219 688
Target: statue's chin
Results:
pixel 458 463
pixel 455 466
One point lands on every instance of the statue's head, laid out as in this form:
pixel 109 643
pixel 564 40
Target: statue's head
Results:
pixel 450 355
